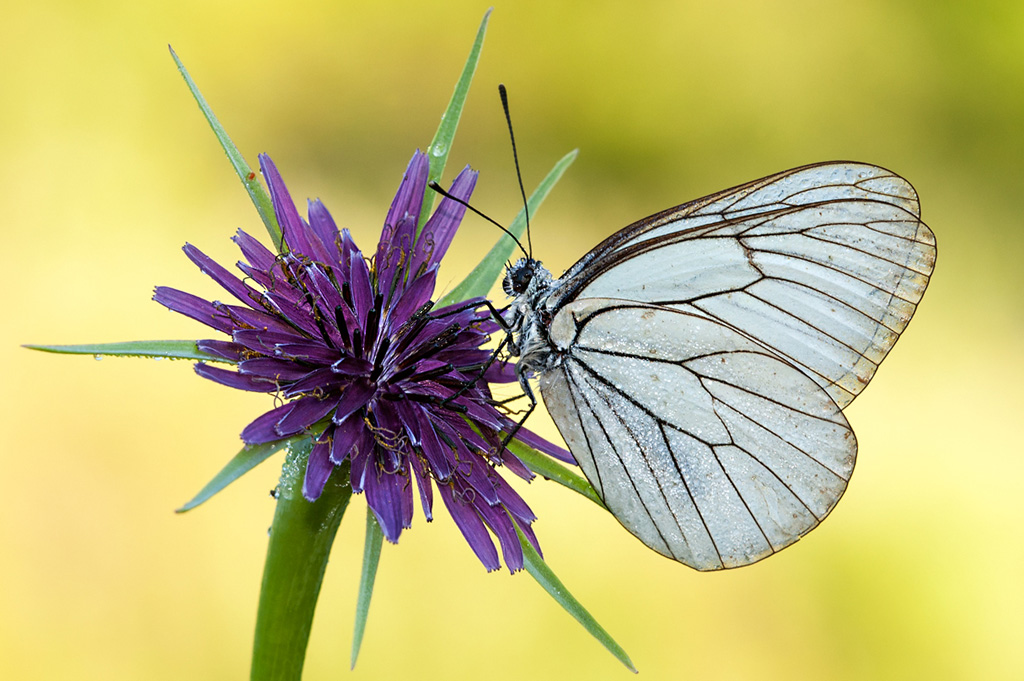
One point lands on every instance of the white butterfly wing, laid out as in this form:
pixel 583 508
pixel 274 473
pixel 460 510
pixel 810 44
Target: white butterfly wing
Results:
pixel 706 446
pixel 707 353
pixel 824 264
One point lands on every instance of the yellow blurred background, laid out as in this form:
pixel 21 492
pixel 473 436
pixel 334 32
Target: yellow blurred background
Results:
pixel 107 168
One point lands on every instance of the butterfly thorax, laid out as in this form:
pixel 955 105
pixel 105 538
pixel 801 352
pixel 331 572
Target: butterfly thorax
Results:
pixel 529 283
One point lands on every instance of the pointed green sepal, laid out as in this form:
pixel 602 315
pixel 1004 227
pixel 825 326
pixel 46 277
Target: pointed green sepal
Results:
pixel 371 557
pixel 248 458
pixel 250 180
pixel 546 467
pixel 300 544
pixel 541 572
pixel 159 349
pixel 441 145
pixel 483 276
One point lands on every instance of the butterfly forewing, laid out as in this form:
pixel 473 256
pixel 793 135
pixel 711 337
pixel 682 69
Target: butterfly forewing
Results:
pixel 706 353
pixel 829 285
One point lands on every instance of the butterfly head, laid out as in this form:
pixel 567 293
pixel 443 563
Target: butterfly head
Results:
pixel 519 276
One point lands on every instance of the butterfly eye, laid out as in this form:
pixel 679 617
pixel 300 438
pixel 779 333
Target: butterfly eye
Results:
pixel 518 277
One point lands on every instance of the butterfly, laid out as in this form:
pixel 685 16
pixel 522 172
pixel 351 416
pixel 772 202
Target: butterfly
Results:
pixel 697 362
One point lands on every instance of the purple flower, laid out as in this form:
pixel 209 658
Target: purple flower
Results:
pixel 368 367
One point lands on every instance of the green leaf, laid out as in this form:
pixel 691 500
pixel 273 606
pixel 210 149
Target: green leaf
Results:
pixel 546 467
pixel 300 543
pixel 541 572
pixel 243 462
pixel 441 145
pixel 250 180
pixel 371 557
pixel 483 276
pixel 169 349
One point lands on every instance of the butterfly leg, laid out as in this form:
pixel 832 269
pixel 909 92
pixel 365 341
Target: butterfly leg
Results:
pixel 483 370
pixel 496 314
pixel 528 391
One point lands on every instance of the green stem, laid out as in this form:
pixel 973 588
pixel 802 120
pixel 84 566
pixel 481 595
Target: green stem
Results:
pixel 300 543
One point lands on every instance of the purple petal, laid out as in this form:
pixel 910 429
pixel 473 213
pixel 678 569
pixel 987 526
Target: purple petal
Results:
pixel 350 435
pixel 305 412
pixel 225 349
pixel 512 502
pixel 256 253
pixel 408 202
pixel 497 519
pixel 232 379
pixel 262 429
pixel 254 319
pixel 501 372
pixel 513 464
pixel 531 439
pixel 437 234
pixel 230 282
pixel 426 489
pixel 276 370
pixel 296 234
pixel 192 306
pixel 392 266
pixel 391 435
pixel 472 528
pixel 264 342
pixel 530 536
pixel 412 298
pixel 355 397
pixel 319 381
pixel 477 475
pixel 438 454
pixel 318 469
pixel 313 352
pixel 384 497
pixel 363 465
pixel 362 290
pixel 322 224
pixel 323 289
pixel 349 251
pixel 351 366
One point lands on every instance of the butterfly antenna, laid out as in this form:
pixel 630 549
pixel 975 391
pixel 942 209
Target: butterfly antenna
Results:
pixel 437 188
pixel 515 157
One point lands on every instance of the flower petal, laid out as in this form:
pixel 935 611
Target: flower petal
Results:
pixel 192 306
pixel 233 379
pixel 355 397
pixel 351 435
pixel 305 412
pixel 276 370
pixel 257 254
pixel 322 224
pixel 318 470
pixel 531 439
pixel 412 298
pixel 425 487
pixel 472 528
pixel 230 282
pixel 499 522
pixel 225 349
pixel 265 342
pixel 385 497
pixel 440 229
pixel 297 235
pixel 262 429
pixel 407 205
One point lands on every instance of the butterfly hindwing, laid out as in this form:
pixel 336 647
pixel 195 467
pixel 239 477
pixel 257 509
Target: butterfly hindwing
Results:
pixel 705 445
